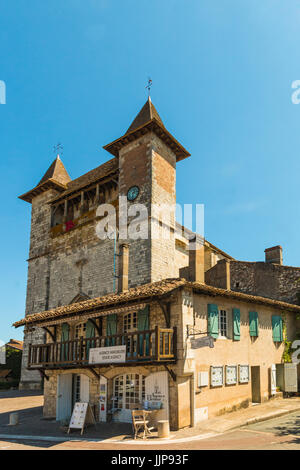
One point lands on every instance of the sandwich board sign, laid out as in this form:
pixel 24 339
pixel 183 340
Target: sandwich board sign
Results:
pixel 80 415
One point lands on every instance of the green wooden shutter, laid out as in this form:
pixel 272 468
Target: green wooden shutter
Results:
pixel 143 325
pixel 89 333
pixel 253 323
pixel 213 320
pixel 236 324
pixel 277 328
pixel 65 331
pixel 111 328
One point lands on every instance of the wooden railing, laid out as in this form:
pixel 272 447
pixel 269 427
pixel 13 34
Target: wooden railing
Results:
pixel 158 345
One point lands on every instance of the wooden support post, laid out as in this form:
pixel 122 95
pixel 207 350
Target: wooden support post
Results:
pixel 52 335
pixel 65 210
pixel 45 376
pixel 97 328
pixel 166 309
pixel 81 205
pixel 157 343
pixel 171 372
pixel 97 197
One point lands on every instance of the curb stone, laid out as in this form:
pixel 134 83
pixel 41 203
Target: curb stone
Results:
pixel 274 415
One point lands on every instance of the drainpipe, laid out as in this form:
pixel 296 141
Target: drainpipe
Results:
pixel 192 399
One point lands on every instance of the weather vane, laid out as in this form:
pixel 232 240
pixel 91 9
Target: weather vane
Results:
pixel 149 85
pixel 58 149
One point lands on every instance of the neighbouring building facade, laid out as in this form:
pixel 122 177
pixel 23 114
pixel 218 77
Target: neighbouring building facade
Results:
pixel 118 323
pixel 270 278
pixel 10 363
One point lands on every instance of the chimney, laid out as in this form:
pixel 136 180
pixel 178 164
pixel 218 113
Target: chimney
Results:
pixel 219 275
pixel 123 267
pixel 274 255
pixel 196 260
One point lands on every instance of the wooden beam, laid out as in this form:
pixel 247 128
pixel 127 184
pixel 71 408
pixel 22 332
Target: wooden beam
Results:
pixel 171 372
pixel 96 326
pixel 42 372
pixel 52 335
pixel 166 311
pixel 94 373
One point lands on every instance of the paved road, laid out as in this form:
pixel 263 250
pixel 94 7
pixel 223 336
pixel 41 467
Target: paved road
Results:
pixel 281 433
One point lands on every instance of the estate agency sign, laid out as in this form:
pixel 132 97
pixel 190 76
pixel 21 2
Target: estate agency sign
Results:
pixel 107 355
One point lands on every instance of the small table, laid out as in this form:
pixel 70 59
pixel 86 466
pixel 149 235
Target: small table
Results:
pixel 152 415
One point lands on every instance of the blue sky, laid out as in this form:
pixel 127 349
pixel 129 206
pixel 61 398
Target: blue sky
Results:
pixel 75 72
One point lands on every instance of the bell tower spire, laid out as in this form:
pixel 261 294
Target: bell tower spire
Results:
pixel 147 155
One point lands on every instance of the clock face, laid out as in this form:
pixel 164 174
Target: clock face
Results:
pixel 133 193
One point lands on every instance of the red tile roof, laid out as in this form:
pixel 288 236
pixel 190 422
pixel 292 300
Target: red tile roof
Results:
pixel 16 344
pixel 148 292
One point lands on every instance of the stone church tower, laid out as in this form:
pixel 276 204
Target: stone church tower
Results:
pixel 67 261
pixel 147 155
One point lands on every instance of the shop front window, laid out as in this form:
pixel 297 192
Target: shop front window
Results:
pixel 129 391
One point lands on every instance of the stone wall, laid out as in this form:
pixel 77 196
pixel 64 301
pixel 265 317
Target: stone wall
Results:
pixel 264 279
pixel 149 164
pixel 60 268
pixel 255 351
pixel 219 275
pixel 178 403
pixel 37 280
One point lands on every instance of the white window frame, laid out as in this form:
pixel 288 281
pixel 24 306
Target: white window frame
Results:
pixel 221 336
pixel 79 330
pixel 124 396
pixel 130 322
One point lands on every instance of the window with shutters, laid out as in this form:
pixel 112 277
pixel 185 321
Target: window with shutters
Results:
pixel 130 322
pixel 218 321
pixel 277 328
pixel 80 329
pixel 223 323
pixel 253 324
pixel 130 326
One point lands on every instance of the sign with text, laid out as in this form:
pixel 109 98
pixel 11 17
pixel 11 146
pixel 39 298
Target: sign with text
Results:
pixel 107 355
pixel 202 342
pixel 82 414
pixel 78 416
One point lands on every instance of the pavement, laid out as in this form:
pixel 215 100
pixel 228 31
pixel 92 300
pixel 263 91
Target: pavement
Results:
pixel 35 431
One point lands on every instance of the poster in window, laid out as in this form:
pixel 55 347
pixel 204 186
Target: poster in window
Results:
pixel 231 375
pixel 216 376
pixel 244 374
